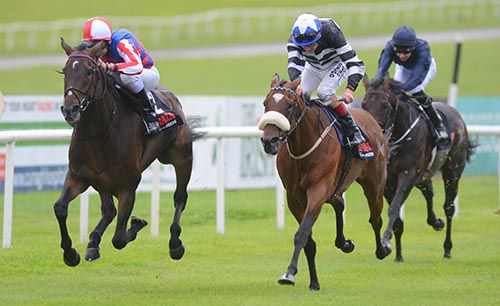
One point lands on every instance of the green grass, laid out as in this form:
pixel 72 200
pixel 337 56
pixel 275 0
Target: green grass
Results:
pixel 241 267
pixel 252 75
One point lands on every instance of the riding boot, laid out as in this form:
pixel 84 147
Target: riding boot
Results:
pixel 442 135
pixel 148 113
pixel 354 136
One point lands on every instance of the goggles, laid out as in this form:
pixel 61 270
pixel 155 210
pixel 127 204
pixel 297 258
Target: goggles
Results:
pixel 403 50
pixel 304 38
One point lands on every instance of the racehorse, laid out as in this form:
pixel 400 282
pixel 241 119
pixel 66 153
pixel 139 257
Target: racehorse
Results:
pixel 315 169
pixel 413 156
pixel 109 151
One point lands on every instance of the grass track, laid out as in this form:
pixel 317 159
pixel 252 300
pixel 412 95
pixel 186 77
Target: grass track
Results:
pixel 241 267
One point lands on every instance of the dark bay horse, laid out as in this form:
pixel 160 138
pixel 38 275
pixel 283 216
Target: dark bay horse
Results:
pixel 413 158
pixel 310 162
pixel 108 151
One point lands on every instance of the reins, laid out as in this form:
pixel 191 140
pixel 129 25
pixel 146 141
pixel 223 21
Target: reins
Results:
pixel 297 122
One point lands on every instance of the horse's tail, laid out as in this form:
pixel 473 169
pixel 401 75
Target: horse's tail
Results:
pixel 471 148
pixel 194 122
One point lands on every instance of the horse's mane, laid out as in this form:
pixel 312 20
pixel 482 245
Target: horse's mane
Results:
pixel 84 45
pixel 396 87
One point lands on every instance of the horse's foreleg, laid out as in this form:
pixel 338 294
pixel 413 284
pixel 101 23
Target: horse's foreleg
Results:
pixel 347 246
pixel 183 175
pixel 373 189
pixel 428 193
pixel 123 236
pixel 108 213
pixel 72 188
pixel 310 251
pixel 452 172
pixel 404 185
pixel 315 198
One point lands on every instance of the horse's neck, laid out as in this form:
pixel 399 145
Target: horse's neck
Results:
pixel 98 119
pixel 306 134
pixel 406 114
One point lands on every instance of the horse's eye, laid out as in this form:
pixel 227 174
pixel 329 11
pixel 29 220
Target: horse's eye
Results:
pixel 90 72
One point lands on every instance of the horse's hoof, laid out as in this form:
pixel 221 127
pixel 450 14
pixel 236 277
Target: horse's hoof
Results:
pixel 92 254
pixel 177 253
pixel 383 252
pixel 438 225
pixel 314 287
pixel 287 279
pixel 447 255
pixel 399 259
pixel 137 223
pixel 348 246
pixel 72 258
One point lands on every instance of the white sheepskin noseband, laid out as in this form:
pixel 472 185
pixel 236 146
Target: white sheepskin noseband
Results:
pixel 275 118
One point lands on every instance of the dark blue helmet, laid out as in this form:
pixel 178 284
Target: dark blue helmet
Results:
pixel 404 39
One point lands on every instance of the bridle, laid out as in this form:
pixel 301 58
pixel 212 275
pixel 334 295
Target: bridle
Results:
pixel 292 114
pixel 87 99
pixel 390 119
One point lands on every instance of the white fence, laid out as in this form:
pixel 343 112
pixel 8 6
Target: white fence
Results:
pixel 161 32
pixel 11 137
pixel 220 133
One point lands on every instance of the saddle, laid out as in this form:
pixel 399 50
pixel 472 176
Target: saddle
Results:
pixel 439 150
pixel 155 122
pixel 339 128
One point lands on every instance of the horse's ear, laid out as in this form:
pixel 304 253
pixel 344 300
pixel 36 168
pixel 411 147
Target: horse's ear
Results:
pixel 295 83
pixel 366 81
pixel 387 82
pixel 275 82
pixel 67 48
pixel 99 49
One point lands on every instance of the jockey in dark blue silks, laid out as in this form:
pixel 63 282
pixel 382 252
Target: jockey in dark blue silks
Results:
pixel 320 56
pixel 415 68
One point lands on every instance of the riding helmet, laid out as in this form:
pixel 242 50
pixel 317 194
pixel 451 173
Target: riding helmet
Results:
pixel 306 30
pixel 404 38
pixel 97 28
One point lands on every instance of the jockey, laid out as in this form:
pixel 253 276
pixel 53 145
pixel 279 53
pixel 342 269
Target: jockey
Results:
pixel 319 55
pixel 415 68
pixel 126 56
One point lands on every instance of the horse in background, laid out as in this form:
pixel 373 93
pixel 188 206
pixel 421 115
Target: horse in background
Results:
pixel 315 169
pixel 413 155
pixel 109 151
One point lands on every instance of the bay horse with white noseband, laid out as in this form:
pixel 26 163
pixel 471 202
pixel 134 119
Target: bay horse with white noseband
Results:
pixel 109 151
pixel 310 162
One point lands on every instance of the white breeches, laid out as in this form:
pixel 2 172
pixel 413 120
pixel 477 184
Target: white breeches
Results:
pixel 324 81
pixel 401 74
pixel 148 79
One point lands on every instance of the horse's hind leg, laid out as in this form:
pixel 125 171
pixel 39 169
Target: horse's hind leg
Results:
pixel 72 188
pixel 108 213
pixel 347 246
pixel 452 171
pixel 428 193
pixel 183 175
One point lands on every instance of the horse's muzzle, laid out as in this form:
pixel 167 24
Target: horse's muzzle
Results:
pixel 271 145
pixel 71 113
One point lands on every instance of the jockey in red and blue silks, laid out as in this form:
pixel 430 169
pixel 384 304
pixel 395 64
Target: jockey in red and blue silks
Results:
pixel 128 57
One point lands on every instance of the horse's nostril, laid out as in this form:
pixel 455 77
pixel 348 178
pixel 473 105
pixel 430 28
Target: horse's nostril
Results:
pixel 75 108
